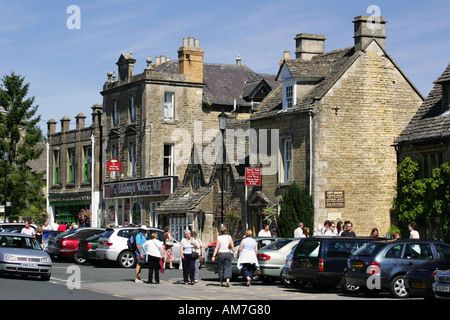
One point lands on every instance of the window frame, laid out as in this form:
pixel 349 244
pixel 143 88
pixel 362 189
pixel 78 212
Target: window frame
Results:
pixel 56 166
pixel 132 108
pixel 169 106
pixel 132 158
pixel 286 171
pixel 169 158
pixel 71 163
pixel 289 95
pixel 87 163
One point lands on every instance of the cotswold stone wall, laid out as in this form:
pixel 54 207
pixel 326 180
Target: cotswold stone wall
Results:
pixel 355 127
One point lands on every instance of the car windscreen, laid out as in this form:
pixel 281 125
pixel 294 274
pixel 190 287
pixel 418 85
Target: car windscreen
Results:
pixel 19 242
pixel 277 245
pixel 107 234
pixel 308 249
pixel 369 249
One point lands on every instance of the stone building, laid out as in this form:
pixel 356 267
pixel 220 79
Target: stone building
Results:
pixel 338 114
pixel 73 168
pixel 153 119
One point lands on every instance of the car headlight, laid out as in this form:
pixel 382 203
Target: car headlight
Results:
pixel 46 260
pixel 10 257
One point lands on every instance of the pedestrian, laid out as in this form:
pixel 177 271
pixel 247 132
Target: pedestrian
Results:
pixel 339 228
pixel 374 233
pixel 413 233
pixel 46 226
pixel 186 248
pixel 224 252
pixel 247 256
pixel 153 250
pixel 305 232
pixel 198 251
pixel 140 254
pixel 329 232
pixel 39 235
pixel 28 230
pixel 265 231
pixel 348 231
pixel 168 246
pixel 395 235
pixel 298 233
pixel 62 226
pixel 55 225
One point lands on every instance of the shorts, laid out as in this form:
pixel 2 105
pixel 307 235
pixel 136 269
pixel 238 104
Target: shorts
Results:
pixel 139 260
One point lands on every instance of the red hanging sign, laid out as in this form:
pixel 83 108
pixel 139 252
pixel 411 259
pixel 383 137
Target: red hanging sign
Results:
pixel 113 165
pixel 252 176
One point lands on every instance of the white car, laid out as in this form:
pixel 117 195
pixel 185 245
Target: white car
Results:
pixel 113 245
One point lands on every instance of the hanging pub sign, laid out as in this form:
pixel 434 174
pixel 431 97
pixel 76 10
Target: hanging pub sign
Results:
pixel 113 165
pixel 252 176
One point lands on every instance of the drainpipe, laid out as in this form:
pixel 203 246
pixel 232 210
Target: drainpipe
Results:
pixel 310 151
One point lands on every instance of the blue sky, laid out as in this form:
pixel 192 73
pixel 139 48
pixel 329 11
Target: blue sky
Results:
pixel 67 68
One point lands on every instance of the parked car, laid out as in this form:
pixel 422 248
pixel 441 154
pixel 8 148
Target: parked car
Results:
pixel 14 227
pixel 47 235
pixel 212 265
pixel 420 279
pixel 113 245
pixel 65 244
pixel 86 250
pixel 285 279
pixel 441 286
pixel 22 254
pixel 272 258
pixel 391 259
pixel 321 261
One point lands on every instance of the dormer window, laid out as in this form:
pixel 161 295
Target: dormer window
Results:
pixel 289 93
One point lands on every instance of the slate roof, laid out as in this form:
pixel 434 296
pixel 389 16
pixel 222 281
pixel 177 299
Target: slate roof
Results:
pixel 326 68
pixel 223 82
pixel 432 120
pixel 181 200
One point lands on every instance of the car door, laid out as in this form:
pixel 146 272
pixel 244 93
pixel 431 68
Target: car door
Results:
pixel 416 253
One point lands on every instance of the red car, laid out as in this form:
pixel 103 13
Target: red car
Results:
pixel 66 244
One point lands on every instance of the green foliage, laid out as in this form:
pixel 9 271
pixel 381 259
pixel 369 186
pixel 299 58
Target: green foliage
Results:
pixel 423 199
pixel 19 134
pixel 296 206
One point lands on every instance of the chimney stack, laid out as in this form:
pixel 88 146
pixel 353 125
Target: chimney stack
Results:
pixel 309 45
pixel 368 28
pixel 65 124
pixel 126 66
pixel 81 121
pixel 190 60
pixel 51 127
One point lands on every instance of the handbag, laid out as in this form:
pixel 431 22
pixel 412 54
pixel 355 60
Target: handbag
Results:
pixel 195 255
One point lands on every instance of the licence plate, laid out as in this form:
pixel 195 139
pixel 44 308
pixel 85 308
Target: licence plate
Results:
pixel 357 264
pixel 442 288
pixel 305 264
pixel 28 265
pixel 418 285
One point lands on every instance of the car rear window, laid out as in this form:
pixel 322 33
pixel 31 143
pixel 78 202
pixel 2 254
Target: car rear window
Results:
pixel 442 250
pixel 107 233
pixel 341 249
pixel 308 249
pixel 277 245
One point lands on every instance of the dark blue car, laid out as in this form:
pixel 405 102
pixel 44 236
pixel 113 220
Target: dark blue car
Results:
pixel 420 279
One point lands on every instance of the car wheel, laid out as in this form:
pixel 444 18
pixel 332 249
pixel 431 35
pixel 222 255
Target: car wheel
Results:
pixel 46 277
pixel 268 280
pixel 298 284
pixel 127 259
pixel 398 287
pixel 348 288
pixel 78 259
pixel 284 279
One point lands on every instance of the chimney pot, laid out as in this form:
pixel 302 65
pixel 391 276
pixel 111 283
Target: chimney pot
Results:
pixel 80 121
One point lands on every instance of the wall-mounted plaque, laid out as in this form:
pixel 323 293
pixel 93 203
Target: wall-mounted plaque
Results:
pixel 334 199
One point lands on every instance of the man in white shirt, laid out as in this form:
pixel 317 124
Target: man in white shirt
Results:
pixel 28 229
pixel 265 232
pixel 46 226
pixel 298 233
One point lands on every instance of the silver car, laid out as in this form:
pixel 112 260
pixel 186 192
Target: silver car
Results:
pixel 22 254
pixel 272 259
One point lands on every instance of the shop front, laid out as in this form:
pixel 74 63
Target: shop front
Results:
pixel 135 201
pixel 66 206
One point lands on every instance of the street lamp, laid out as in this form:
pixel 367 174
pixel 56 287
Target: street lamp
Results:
pixel 5 158
pixel 222 125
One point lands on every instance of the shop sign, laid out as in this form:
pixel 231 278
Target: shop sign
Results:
pixel 147 187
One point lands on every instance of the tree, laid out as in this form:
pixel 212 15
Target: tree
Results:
pixel 19 135
pixel 296 206
pixel 423 199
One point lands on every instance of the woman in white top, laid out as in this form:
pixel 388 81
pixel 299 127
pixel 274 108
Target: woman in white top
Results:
pixel 248 252
pixel 152 248
pixel 224 256
pixel 187 245
pixel 414 234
